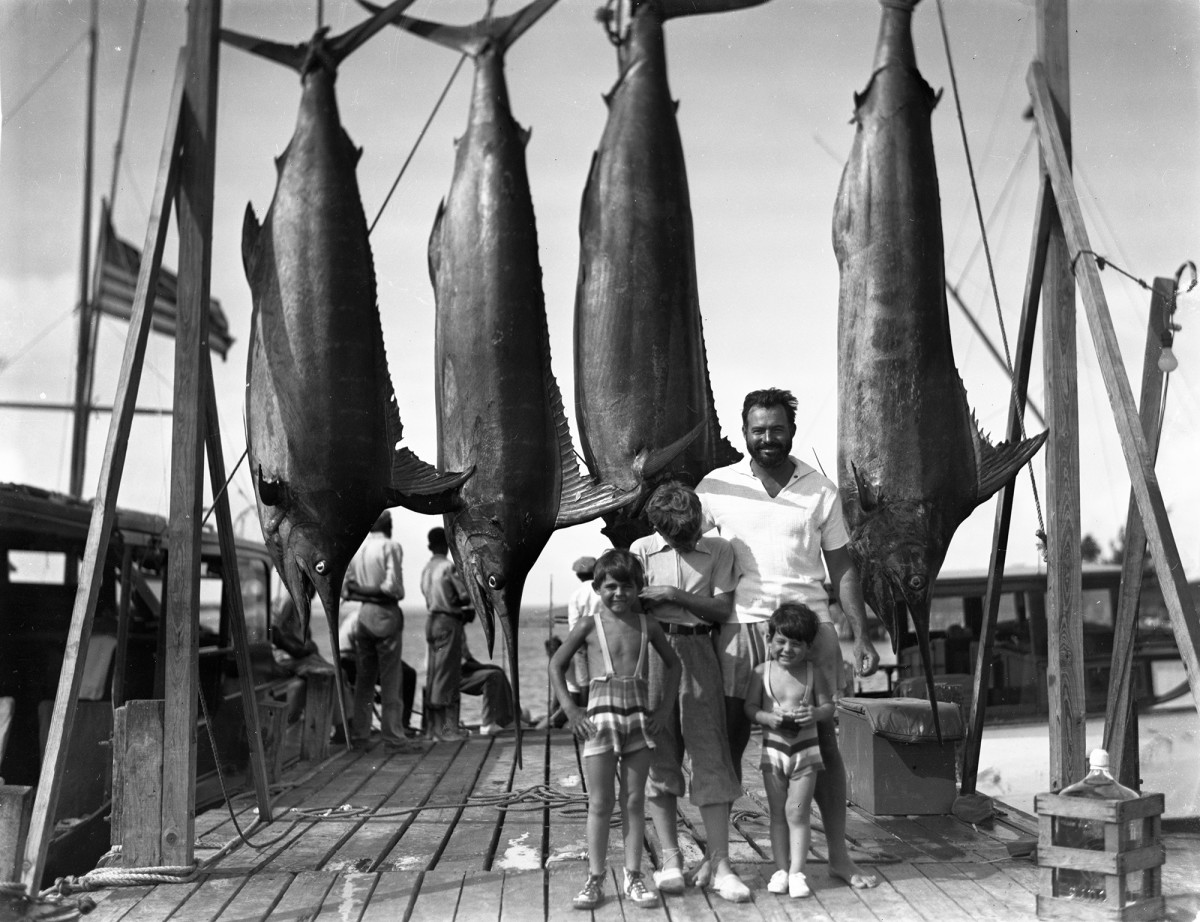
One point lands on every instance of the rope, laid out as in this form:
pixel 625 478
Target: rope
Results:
pixel 224 487
pixel 534 797
pixel 103 878
pixel 987 250
pixel 407 160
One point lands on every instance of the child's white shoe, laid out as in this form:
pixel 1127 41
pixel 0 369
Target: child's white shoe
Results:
pixel 778 882
pixel 798 886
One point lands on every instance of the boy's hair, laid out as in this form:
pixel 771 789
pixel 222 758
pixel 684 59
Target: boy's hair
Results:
pixel 621 566
pixel 795 622
pixel 674 512
pixel 770 397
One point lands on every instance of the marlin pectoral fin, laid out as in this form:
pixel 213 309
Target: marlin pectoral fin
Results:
pixel 435 243
pixel 251 231
pixel 648 464
pixel 868 497
pixel 998 464
pixel 291 56
pixel 420 486
pixel 472 39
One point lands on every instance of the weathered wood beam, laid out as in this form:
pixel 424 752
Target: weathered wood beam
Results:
pixel 41 825
pixel 1064 584
pixel 233 592
pixel 1119 708
pixel 1016 411
pixel 195 205
pixel 1171 577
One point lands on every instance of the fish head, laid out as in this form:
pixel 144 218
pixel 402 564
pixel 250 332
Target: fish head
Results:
pixel 898 550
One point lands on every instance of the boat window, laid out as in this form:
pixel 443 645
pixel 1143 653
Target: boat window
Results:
pixel 45 567
pixel 210 611
pixel 1097 607
pixel 255 577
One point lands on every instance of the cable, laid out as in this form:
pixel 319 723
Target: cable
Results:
pixel 991 268
pixel 37 86
pixel 404 166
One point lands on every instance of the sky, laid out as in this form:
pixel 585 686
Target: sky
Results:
pixel 765 99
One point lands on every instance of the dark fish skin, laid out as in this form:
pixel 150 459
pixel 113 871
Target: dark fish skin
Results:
pixel 322 425
pixel 642 392
pixel 499 406
pixel 912 464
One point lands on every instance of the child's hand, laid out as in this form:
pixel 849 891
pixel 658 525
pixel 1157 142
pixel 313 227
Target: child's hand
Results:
pixel 657 722
pixel 583 728
pixel 773 719
pixel 801 716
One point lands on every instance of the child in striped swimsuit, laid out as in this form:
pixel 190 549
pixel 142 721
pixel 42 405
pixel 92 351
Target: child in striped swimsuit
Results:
pixel 781 700
pixel 618 727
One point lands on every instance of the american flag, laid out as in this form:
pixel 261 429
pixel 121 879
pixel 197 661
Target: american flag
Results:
pixel 119 265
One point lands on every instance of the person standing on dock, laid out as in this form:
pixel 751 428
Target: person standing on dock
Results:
pixel 784 520
pixel 449 611
pixel 376 579
pixel 690 579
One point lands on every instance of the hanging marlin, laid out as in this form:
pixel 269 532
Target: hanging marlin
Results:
pixel 912 463
pixel 322 424
pixel 642 392
pixel 499 406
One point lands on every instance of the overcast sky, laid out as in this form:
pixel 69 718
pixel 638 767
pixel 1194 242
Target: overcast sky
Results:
pixel 765 101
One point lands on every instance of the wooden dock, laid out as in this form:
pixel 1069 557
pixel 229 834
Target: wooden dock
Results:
pixel 364 837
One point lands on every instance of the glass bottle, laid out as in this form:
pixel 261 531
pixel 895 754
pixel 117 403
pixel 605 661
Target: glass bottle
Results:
pixel 1098 784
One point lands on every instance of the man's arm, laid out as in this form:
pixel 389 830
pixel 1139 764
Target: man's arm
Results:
pixel 844 576
pixel 714 609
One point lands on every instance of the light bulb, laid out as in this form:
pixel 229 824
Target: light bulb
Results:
pixel 1166 361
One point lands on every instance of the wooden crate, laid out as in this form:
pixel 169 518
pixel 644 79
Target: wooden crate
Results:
pixel 1125 861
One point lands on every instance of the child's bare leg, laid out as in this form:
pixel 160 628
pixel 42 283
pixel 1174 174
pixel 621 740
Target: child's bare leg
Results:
pixel 634 768
pixel 799 816
pixel 664 812
pixel 600 771
pixel 777 797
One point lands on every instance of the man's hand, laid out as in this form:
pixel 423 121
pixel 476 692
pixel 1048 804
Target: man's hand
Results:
pixel 652 594
pixel 866 657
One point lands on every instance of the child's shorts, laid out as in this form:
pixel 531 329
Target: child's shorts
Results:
pixel 617 706
pixel 792 759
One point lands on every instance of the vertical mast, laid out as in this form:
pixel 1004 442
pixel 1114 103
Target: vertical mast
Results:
pixel 84 356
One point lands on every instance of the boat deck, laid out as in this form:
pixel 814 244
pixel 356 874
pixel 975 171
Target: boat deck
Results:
pixel 419 837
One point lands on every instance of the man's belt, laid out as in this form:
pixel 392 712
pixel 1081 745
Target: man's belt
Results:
pixel 688 630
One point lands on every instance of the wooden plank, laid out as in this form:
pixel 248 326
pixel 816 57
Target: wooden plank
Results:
pixel 318 716
pixel 1119 717
pixel 473 842
pixel 481 896
pixel 304 896
pixel 920 893
pixel 1012 893
pixel 564 879
pixel 1171 574
pixel 256 899
pixel 209 900
pixel 116 904
pixel 976 902
pixel 194 209
pixel 840 901
pixel 16 806
pixel 440 891
pixel 41 824
pixel 141 795
pixel 776 907
pixel 348 898
pixel 523 834
pixel 231 578
pixel 977 708
pixel 160 903
pixel 933 846
pixel 382 793
pixel 524 894
pixel 885 900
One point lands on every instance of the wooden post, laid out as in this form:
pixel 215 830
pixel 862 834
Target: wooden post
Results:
pixel 138 761
pixel 122 657
pixel 991 610
pixel 1064 591
pixel 318 714
pixel 41 824
pixel 1171 578
pixel 194 202
pixel 1120 705
pixel 233 592
pixel 16 806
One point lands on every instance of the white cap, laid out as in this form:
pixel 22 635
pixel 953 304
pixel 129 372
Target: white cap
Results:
pixel 1098 758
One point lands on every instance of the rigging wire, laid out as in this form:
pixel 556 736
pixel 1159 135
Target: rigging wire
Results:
pixel 139 19
pixel 1020 417
pixel 1009 185
pixel 407 160
pixel 7 363
pixel 46 76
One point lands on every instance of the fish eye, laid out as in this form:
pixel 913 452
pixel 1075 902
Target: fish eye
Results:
pixel 495 582
pixel 916 582
pixel 321 566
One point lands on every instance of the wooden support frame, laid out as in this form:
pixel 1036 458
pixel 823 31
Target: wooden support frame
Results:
pixel 991 607
pixel 1119 710
pixel 41 824
pixel 1151 508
